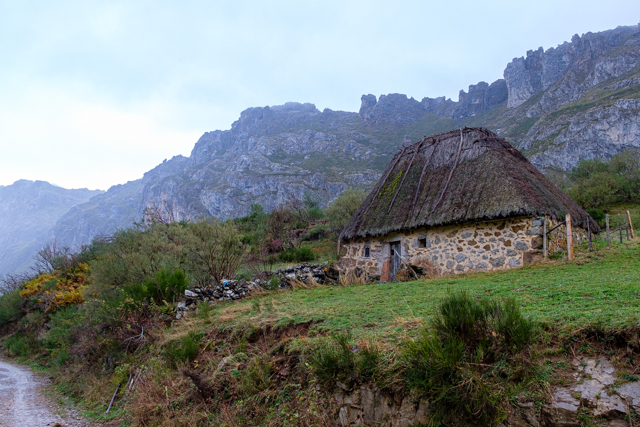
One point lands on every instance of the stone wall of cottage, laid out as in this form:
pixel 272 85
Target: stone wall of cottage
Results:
pixel 477 246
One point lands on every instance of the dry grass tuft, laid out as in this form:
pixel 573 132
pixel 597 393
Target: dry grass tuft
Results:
pixel 350 278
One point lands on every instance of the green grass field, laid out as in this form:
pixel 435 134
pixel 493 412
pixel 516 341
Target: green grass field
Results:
pixel 599 288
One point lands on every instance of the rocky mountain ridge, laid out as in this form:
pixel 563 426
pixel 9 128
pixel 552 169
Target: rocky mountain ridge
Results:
pixel 579 100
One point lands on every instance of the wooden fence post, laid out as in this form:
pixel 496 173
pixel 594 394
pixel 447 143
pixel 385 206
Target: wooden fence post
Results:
pixel 633 234
pixel 626 229
pixel 569 237
pixel 620 227
pixel 545 250
pixel 608 235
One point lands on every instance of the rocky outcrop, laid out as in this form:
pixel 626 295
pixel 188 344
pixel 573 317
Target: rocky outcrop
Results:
pixel 368 406
pixel 564 74
pixel 394 109
pixel 599 132
pixel 591 395
pixel 481 97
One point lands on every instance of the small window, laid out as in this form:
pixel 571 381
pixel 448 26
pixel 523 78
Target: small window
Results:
pixel 422 242
pixel 367 251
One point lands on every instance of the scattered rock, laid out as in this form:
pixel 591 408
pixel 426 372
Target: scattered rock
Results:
pixel 562 411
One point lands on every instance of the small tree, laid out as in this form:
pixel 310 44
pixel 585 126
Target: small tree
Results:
pixel 52 257
pixel 339 213
pixel 215 251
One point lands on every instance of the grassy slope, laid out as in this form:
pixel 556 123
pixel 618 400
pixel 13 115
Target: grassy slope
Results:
pixel 596 288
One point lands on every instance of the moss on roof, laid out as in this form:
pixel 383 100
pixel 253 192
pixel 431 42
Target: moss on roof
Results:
pixel 464 175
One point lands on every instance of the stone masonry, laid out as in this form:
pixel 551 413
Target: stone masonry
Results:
pixel 477 246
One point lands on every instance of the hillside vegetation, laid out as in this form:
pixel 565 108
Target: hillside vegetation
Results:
pixel 103 320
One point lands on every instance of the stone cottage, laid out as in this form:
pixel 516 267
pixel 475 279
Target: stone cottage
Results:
pixel 460 201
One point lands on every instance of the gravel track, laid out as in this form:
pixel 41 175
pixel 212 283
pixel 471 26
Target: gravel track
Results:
pixel 22 403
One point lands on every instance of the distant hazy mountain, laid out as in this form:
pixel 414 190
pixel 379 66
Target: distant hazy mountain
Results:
pixel 579 100
pixel 28 211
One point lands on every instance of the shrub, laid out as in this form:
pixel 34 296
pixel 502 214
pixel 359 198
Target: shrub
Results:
pixel 297 255
pixel 595 183
pixel 257 376
pixel 186 351
pixel 273 283
pixel 335 358
pixel 20 344
pixel 314 213
pixel 62 327
pixel 472 346
pixel 61 358
pixel 215 251
pixel 204 310
pixel 339 213
pixel 598 215
pixel 166 286
pixel 10 307
pixel 316 232
pixel 135 256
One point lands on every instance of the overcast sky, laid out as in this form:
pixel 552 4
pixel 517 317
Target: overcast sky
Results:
pixel 95 93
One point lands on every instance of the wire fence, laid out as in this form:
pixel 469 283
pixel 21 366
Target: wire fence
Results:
pixel 562 237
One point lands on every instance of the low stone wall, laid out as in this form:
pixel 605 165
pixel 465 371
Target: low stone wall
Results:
pixel 323 274
pixel 477 246
pixel 230 290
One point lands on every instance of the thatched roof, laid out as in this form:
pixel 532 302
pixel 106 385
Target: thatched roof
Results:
pixel 464 175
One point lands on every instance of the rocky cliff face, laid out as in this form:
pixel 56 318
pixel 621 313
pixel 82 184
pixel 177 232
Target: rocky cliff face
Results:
pixel 579 100
pixel 28 210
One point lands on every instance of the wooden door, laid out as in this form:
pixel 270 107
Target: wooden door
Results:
pixel 395 259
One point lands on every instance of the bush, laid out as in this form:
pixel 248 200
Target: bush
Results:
pixel 598 215
pixel 167 286
pixel 472 346
pixel 20 344
pixel 204 310
pixel 595 183
pixel 135 256
pixel 273 283
pixel 10 307
pixel 257 376
pixel 186 351
pixel 297 255
pixel 339 213
pixel 336 359
pixel 316 232
pixel 215 251
pixel 63 326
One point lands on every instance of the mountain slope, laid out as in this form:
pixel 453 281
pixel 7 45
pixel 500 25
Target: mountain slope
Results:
pixel 28 211
pixel 577 101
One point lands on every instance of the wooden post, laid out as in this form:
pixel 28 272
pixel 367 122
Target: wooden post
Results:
pixel 569 237
pixel 608 235
pixel 589 232
pixel 620 227
pixel 626 230
pixel 633 234
pixel 544 237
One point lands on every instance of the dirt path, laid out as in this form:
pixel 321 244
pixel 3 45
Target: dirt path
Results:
pixel 22 403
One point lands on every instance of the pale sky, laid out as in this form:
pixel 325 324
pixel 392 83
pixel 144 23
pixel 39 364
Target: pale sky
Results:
pixel 95 93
